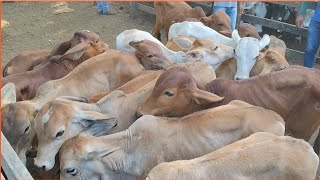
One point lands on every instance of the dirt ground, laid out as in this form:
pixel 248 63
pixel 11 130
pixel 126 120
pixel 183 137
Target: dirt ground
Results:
pixel 39 25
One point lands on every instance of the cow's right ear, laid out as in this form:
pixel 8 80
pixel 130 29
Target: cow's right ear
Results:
pixel 202 97
pixel 8 94
pixel 204 20
pixel 235 36
pixel 76 52
pixel 60 48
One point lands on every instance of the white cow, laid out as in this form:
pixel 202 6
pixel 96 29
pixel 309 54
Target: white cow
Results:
pixel 199 31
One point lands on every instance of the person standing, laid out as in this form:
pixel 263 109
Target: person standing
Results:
pixel 313 39
pixel 103 8
pixel 230 8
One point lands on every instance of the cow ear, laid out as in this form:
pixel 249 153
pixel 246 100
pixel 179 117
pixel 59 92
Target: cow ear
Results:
pixel 73 98
pixel 204 97
pixel 95 123
pixel 60 48
pixel 135 44
pixel 235 36
pixel 8 94
pixel 264 41
pixel 100 153
pixel 204 20
pixel 76 52
pixel 183 42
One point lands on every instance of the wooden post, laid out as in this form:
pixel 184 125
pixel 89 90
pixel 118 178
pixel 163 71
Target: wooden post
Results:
pixel 11 164
pixel 133 9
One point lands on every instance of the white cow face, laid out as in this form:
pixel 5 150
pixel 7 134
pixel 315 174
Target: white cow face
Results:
pixel 247 53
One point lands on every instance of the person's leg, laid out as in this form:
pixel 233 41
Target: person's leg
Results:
pixel 105 6
pixel 313 41
pixel 218 8
pixel 232 13
pixel 100 7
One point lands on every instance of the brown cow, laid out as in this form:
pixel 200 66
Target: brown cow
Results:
pixel 25 61
pixel 267 62
pixel 168 12
pixel 81 47
pixel 218 21
pixel 244 30
pixel 294 93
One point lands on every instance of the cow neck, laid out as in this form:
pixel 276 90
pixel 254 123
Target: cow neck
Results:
pixel 67 65
pixel 176 57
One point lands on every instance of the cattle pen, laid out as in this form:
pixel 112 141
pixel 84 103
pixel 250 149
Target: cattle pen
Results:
pixel 292 55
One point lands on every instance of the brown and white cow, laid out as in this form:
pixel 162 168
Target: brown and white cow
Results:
pixel 152 140
pixel 25 61
pixel 69 118
pixel 168 12
pixel 81 47
pixel 260 156
pixel 294 93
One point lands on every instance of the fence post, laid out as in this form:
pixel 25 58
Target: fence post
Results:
pixel 133 9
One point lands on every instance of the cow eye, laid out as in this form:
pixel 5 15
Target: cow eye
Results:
pixel 167 93
pixel 220 24
pixel 60 133
pixel 97 40
pixel 26 131
pixel 150 56
pixel 72 171
pixel 256 58
pixel 215 48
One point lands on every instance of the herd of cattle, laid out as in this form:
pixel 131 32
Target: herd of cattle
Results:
pixel 209 104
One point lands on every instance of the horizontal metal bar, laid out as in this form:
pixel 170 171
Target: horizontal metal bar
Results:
pixel 275 24
pixel 145 8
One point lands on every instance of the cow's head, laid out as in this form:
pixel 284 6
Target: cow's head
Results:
pixel 219 21
pixel 176 94
pixel 269 62
pixel 247 53
pixel 150 55
pixel 209 51
pixel 62 119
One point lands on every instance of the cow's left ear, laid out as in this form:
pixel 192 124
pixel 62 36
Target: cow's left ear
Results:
pixel 235 36
pixel 8 94
pixel 183 42
pixel 76 52
pixel 264 41
pixel 204 20
pixel 100 153
pixel 204 97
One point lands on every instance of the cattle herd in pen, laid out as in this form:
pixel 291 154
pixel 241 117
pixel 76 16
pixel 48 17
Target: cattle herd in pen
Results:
pixel 211 103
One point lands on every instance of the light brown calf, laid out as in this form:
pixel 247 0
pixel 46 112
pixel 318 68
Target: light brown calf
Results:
pixel 218 21
pixel 25 61
pixel 269 61
pixel 71 117
pixel 169 12
pixel 294 93
pixel 152 140
pixel 259 156
pixel 104 72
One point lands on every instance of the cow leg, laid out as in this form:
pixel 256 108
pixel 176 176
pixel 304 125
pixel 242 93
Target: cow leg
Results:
pixel 156 32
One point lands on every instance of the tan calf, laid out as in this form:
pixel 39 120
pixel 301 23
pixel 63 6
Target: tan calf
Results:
pixel 169 12
pixel 218 21
pixel 151 140
pixel 25 61
pixel 269 61
pixel 69 118
pixel 259 156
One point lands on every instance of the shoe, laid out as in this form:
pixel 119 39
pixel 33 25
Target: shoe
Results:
pixel 108 13
pixel 100 12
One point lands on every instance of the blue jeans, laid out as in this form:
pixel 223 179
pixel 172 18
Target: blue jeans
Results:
pixel 313 41
pixel 103 6
pixel 231 11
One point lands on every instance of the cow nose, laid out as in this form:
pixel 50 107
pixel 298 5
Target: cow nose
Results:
pixel 43 168
pixel 138 114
